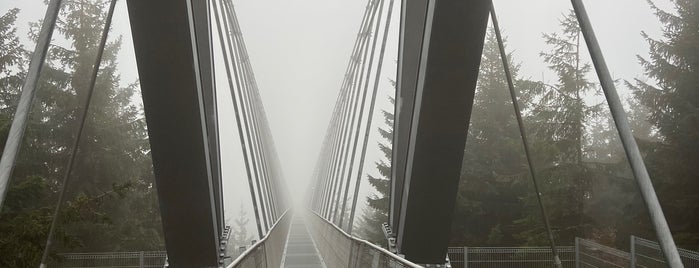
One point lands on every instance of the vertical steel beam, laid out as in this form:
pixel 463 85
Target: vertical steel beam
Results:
pixel 447 56
pixel 412 28
pixel 174 66
pixel 203 32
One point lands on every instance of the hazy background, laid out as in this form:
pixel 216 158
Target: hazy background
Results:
pixel 300 48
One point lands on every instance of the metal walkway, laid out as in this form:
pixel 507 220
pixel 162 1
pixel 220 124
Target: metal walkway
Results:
pixel 300 249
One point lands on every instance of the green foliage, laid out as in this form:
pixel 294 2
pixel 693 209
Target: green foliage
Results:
pixel 672 99
pixel 376 211
pixel 581 171
pixel 493 168
pixel 111 204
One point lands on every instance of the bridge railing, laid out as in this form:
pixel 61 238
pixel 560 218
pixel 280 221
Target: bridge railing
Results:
pixel 137 259
pixel 589 254
pixel 269 251
pixel 526 257
pixel 647 253
pixel 339 249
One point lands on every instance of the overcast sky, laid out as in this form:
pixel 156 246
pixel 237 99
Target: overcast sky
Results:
pixel 299 50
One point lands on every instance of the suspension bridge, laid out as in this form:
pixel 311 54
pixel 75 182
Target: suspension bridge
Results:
pixel 440 48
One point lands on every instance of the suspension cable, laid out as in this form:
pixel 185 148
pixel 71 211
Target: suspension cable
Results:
pixel 78 136
pixel 350 76
pixel 250 112
pixel 351 115
pixel 243 144
pixel 633 154
pixel 361 111
pixel 238 66
pixel 372 104
pixel 523 134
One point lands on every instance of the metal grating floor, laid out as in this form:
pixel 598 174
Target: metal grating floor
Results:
pixel 300 250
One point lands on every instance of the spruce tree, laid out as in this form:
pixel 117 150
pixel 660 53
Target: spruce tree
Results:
pixel 111 203
pixel 559 137
pixel 671 96
pixel 493 170
pixel 377 209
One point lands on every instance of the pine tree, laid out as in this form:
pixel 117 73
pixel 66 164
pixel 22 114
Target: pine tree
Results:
pixel 559 123
pixel 376 212
pixel 672 98
pixel 240 232
pixel 493 169
pixel 11 68
pixel 111 203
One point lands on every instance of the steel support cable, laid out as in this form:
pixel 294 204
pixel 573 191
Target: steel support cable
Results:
pixel 238 60
pixel 82 113
pixel 361 113
pixel 336 140
pixel 267 164
pixel 339 153
pixel 275 167
pixel 335 151
pixel 351 112
pixel 335 157
pixel 633 154
pixel 21 117
pixel 319 182
pixel 262 128
pixel 348 80
pixel 330 152
pixel 324 158
pixel 328 170
pixel 329 158
pixel 225 47
pixel 254 110
pixel 320 164
pixel 313 203
pixel 344 175
pixel 523 134
pixel 310 202
pixel 372 104
pixel 246 93
pixel 257 143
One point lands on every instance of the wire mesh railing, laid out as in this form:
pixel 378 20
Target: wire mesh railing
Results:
pixel 140 259
pixel 585 254
pixel 268 252
pixel 527 257
pixel 339 249
pixel 647 253
pixel 589 254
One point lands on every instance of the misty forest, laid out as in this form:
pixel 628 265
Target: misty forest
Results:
pixel 585 180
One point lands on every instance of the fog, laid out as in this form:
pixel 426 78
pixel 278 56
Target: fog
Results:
pixel 299 50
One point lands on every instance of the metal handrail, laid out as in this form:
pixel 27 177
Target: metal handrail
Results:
pixel 397 258
pixel 260 243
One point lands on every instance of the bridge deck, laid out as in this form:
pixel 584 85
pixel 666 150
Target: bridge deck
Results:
pixel 300 249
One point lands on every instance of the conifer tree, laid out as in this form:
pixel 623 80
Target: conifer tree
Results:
pixel 111 203
pixel 671 96
pixel 559 123
pixel 377 209
pixel 493 169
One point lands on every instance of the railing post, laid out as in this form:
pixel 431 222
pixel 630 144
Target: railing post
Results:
pixel 140 259
pixel 465 257
pixel 577 252
pixel 633 251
